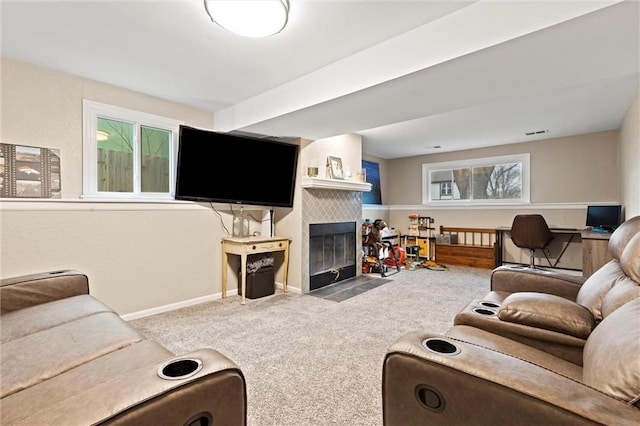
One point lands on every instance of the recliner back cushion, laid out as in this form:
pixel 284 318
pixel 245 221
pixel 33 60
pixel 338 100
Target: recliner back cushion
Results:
pixel 610 362
pixel 594 289
pixel 625 290
pixel 621 236
pixel 630 259
pixel 628 287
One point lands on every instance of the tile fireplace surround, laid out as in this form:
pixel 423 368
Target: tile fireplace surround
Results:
pixel 327 206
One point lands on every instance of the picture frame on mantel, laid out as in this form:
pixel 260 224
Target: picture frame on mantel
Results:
pixel 334 168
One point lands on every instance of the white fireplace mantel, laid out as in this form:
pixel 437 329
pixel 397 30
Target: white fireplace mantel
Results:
pixel 336 184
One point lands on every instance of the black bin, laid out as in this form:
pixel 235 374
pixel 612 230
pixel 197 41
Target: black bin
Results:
pixel 261 280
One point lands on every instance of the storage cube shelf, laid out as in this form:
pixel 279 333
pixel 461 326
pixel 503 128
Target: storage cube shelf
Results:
pixel 420 242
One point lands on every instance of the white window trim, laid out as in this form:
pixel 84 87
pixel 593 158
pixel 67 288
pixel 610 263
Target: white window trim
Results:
pixel 524 159
pixel 91 110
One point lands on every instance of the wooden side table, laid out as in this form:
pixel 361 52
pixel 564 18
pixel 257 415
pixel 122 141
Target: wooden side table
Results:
pixel 252 245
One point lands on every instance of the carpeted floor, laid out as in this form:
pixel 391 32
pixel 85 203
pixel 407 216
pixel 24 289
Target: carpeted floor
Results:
pixel 311 361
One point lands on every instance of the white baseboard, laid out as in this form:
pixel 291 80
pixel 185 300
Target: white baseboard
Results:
pixel 191 302
pixel 174 306
pixel 289 288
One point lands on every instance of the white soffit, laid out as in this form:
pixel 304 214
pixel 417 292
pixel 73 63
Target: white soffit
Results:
pixel 481 25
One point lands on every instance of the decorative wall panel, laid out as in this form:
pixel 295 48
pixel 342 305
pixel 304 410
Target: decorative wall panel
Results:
pixel 29 172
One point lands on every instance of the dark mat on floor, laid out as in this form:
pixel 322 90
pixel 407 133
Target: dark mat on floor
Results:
pixel 344 290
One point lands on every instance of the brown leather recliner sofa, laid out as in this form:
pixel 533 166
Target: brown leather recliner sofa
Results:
pixel 565 351
pixel 557 312
pixel 68 359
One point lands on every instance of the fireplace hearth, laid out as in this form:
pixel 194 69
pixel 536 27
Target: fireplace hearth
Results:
pixel 332 253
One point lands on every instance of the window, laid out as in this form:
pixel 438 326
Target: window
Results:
pixel 128 154
pixel 445 189
pixel 495 180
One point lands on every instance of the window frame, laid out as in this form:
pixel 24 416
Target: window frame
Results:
pixel 523 159
pixel 91 111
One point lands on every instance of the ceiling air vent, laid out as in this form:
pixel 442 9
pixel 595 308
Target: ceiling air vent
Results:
pixel 537 132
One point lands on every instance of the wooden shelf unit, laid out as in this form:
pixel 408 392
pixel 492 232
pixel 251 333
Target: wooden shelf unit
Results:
pixel 419 243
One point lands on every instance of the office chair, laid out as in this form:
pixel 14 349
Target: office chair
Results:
pixel 531 231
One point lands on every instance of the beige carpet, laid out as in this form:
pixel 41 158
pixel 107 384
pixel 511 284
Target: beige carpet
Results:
pixel 312 361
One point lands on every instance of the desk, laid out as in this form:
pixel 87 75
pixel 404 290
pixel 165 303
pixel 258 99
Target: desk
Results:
pixel 572 233
pixel 595 251
pixel 252 245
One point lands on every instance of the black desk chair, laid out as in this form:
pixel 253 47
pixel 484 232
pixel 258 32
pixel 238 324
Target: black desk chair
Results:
pixel 531 231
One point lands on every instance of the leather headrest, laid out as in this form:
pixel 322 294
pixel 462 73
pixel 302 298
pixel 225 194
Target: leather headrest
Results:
pixel 630 259
pixel 622 235
pixel 611 354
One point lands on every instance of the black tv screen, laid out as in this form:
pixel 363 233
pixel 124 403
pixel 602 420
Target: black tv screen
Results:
pixel 226 168
pixel 605 217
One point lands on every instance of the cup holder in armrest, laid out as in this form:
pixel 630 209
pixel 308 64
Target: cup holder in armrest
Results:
pixel 490 304
pixel 440 346
pixel 181 368
pixel 484 311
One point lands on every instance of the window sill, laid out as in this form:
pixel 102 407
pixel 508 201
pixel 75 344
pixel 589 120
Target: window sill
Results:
pixel 476 203
pixel 126 199
pixel 57 204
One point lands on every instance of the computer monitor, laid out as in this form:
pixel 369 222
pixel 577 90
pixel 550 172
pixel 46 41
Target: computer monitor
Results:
pixel 604 218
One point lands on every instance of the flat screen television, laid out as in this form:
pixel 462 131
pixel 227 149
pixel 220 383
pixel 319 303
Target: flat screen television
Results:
pixel 606 218
pixel 227 168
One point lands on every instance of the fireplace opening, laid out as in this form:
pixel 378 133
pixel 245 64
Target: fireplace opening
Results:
pixel 332 253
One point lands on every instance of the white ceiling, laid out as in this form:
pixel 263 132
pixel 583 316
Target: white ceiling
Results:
pixel 406 75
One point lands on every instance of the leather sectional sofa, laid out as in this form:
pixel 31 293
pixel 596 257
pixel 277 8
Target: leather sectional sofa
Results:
pixel 541 348
pixel 68 359
pixel 557 312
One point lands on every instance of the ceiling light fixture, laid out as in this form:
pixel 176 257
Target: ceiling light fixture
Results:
pixel 259 18
pixel 102 135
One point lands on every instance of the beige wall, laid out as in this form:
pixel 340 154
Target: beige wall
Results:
pixel 567 174
pixel 629 160
pixel 576 169
pixel 139 256
pixel 43 108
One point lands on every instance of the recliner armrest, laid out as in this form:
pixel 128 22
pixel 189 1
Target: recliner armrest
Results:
pixel 218 390
pixel 515 280
pixel 124 388
pixel 562 345
pixel 479 385
pixel 549 312
pixel 34 289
